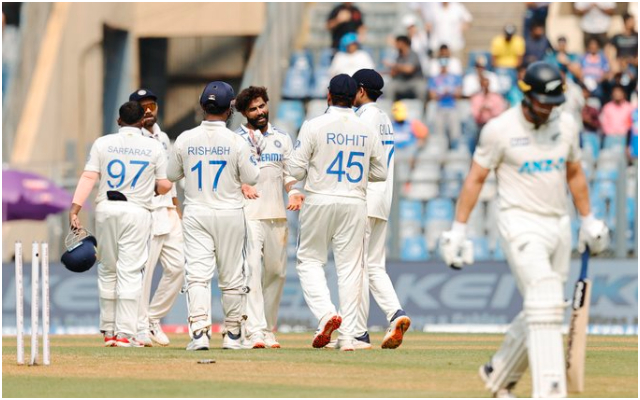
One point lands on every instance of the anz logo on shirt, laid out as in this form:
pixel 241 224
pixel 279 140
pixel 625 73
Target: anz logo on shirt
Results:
pixel 542 166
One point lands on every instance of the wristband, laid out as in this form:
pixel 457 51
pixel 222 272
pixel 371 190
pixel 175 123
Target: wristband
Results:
pixel 459 227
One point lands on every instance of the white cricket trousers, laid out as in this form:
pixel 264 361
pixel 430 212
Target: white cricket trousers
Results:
pixel 169 250
pixel 122 231
pixel 267 259
pixel 214 239
pixel 340 222
pixel 375 277
pixel 538 250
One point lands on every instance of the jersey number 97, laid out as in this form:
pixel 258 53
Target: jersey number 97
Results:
pixel 117 171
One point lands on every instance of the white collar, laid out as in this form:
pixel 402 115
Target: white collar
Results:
pixel 268 132
pixel 129 130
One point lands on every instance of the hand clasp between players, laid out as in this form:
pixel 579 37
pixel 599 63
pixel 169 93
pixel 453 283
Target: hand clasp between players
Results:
pixel 456 250
pixel 593 233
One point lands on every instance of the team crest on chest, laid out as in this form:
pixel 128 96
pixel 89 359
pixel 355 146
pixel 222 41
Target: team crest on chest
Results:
pixel 277 143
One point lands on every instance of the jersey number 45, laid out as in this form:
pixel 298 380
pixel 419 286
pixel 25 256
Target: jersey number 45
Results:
pixel 337 166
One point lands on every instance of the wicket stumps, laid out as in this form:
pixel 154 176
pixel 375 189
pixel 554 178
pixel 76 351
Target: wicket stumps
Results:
pixel 39 252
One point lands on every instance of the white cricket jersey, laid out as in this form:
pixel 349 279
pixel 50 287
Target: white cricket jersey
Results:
pixel 338 154
pixel 530 163
pixel 214 162
pixel 164 200
pixel 273 175
pixel 128 163
pixel 380 194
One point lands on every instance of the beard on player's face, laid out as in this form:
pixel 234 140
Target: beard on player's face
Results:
pixel 260 121
pixel 148 120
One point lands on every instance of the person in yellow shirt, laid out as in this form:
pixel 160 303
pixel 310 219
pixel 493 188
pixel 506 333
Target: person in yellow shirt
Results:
pixel 507 50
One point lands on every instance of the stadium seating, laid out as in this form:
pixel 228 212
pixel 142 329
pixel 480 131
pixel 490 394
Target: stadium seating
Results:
pixel 410 212
pixel 316 108
pixel 481 249
pixel 413 249
pixel 591 144
pixel 321 81
pixel 498 253
pixel 298 78
pixel 292 112
pixel 614 142
pixel 475 54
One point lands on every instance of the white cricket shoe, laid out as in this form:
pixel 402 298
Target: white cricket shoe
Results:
pixel 143 337
pixel 231 341
pixel 156 334
pixel 124 340
pixel 504 393
pixel 328 324
pixel 359 343
pixel 200 340
pixel 271 341
pixel 254 341
pixel 398 326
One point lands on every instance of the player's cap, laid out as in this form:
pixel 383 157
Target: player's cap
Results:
pixel 343 85
pixel 543 82
pixel 368 79
pixel 219 93
pixel 510 30
pixel 142 94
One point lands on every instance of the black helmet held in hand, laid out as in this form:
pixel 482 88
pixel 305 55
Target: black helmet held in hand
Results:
pixel 81 252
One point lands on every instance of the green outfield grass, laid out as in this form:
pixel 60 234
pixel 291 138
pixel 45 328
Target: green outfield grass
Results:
pixel 427 365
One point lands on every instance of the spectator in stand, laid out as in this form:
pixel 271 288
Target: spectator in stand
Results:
pixel 537 45
pixel 595 68
pixel 454 65
pixel 344 18
pixel 627 77
pixel 419 40
pixel 508 49
pixel 471 81
pixel 536 13
pixel 568 63
pixel 486 104
pixel 409 135
pixel 447 26
pixel 514 95
pixel 407 80
pixel 590 114
pixel 616 114
pixel 595 21
pixel 574 98
pixel 350 58
pixel 445 88
pixel 625 44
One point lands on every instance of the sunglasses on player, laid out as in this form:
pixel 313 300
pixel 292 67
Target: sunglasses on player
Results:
pixel 150 106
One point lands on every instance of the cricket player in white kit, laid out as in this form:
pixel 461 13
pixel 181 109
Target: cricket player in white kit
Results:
pixel 379 195
pixel 129 166
pixel 165 244
pixel 338 154
pixel 214 162
pixel 266 217
pixel 533 147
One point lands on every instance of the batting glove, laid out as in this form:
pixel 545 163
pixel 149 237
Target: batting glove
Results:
pixel 593 233
pixel 455 249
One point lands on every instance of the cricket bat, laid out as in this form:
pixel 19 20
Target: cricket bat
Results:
pixel 577 346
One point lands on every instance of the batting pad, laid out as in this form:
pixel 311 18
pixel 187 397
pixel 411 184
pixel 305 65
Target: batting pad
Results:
pixel 544 311
pixel 510 361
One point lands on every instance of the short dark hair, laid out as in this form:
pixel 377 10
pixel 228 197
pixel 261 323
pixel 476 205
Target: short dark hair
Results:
pixel 250 94
pixel 373 94
pixel 404 39
pixel 131 112
pixel 626 16
pixel 212 109
pixel 341 100
pixel 444 47
pixel 537 24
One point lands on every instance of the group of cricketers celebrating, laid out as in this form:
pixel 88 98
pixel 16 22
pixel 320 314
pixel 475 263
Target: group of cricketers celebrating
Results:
pixel 339 175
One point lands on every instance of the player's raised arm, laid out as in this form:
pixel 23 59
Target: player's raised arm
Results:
pixel 299 162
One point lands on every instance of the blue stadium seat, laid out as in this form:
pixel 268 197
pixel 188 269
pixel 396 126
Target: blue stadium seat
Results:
pixel 297 81
pixel 439 209
pixel 411 211
pixel 575 228
pixel 321 80
pixel 607 174
pixel 631 218
pixel 414 249
pixel 451 183
pixel 598 207
pixel 498 254
pixel 605 189
pixel 291 111
pixel 300 56
pixel 591 144
pixel 324 58
pixel 481 249
pixel 615 142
